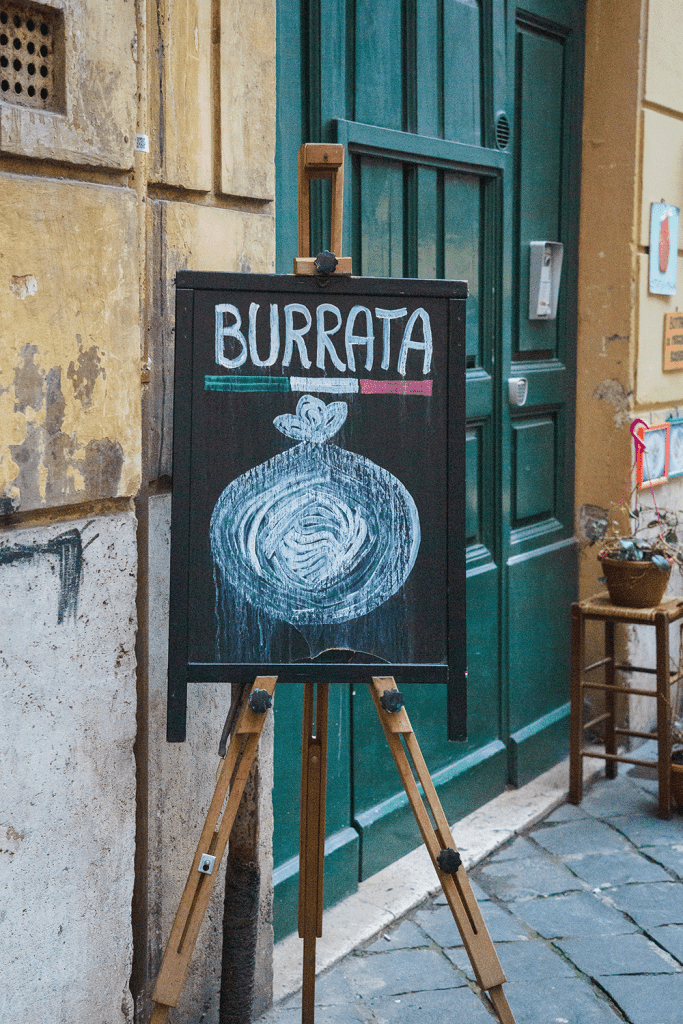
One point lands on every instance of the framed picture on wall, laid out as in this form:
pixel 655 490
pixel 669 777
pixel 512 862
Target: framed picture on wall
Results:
pixel 676 448
pixel 652 466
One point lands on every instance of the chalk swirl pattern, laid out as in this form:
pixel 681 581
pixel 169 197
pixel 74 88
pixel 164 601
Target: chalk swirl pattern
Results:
pixel 317 534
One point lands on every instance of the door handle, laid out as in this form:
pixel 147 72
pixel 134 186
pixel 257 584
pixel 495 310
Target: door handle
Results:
pixel 518 389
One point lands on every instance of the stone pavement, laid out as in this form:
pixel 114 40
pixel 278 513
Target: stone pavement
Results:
pixel 585 909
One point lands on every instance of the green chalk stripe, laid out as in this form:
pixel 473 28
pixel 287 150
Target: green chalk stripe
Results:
pixel 225 383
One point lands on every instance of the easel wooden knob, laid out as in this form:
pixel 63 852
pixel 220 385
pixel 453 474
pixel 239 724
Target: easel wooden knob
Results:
pixel 319 160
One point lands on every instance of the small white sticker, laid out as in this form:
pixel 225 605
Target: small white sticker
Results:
pixel 142 143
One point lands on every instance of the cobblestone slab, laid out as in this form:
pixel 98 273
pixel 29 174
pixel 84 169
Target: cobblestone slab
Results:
pixel 629 954
pixel 586 836
pixel 564 1001
pixel 537 876
pixel 610 869
pixel 650 905
pixel 656 1000
pixel 571 916
pixel 521 961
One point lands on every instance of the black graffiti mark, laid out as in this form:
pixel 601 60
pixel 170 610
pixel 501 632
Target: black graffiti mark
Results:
pixel 69 548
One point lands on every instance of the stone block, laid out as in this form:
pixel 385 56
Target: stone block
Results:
pixel 609 869
pixel 613 798
pixel 564 999
pixel 459 1004
pixel 179 93
pixel 588 836
pixel 629 954
pixel 67 656
pixel 658 999
pixel 650 904
pixel 191 237
pixel 247 70
pixel 390 974
pixel 441 927
pixel 521 961
pixel 669 936
pixel 577 914
pixel 406 936
pixel 535 876
pixel 651 831
pixel 70 343
pixel 670 857
pixel 97 126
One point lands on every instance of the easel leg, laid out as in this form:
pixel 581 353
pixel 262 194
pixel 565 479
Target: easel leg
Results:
pixel 438 839
pixel 312 836
pixel 213 841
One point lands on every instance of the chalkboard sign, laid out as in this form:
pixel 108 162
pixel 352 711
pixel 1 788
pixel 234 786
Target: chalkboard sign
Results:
pixel 318 483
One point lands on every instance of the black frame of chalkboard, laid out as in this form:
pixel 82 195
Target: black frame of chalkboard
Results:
pixel 450 297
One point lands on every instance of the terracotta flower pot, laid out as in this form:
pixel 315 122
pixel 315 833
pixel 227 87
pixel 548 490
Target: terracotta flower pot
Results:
pixel 635 584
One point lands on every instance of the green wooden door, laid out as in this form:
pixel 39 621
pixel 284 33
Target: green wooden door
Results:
pixel 461 122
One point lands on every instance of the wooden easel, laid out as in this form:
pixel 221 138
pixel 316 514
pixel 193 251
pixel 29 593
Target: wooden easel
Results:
pixel 321 161
pixel 428 812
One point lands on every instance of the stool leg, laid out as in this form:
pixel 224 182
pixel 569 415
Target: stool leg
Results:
pixel 576 715
pixel 611 767
pixel 663 714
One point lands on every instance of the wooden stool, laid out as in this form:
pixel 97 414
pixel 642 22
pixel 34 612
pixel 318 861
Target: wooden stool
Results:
pixel 601 608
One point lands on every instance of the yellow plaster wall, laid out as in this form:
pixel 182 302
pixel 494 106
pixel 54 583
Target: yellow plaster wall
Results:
pixel 664 82
pixel 180 106
pixel 661 179
pixel 654 385
pixel 248 99
pixel 662 167
pixel 98 127
pixel 606 270
pixel 69 343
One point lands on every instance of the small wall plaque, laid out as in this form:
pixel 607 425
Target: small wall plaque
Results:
pixel 663 248
pixel 673 341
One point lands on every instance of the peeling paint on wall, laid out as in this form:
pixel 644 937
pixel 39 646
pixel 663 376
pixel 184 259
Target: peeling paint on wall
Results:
pixel 23 285
pixel 86 373
pixel 69 344
pixel 613 392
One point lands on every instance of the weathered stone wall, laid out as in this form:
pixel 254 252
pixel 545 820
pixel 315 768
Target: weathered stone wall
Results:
pixel 92 233
pixel 67 835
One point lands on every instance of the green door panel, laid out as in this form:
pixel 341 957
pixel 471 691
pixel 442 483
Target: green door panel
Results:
pixel 542 586
pixel 461 72
pixel 378 92
pixel 380 190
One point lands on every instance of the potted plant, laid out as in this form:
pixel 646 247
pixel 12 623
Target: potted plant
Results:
pixel 636 562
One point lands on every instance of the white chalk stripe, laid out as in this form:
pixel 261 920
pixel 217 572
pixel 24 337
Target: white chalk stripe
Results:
pixel 334 385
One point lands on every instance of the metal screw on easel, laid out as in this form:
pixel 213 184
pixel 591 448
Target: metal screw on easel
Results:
pixel 326 262
pixel 449 860
pixel 260 701
pixel 392 701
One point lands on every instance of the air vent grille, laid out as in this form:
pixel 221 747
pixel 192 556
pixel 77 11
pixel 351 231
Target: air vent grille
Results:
pixel 31 55
pixel 502 130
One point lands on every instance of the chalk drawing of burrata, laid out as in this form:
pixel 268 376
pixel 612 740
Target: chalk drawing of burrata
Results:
pixel 317 534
